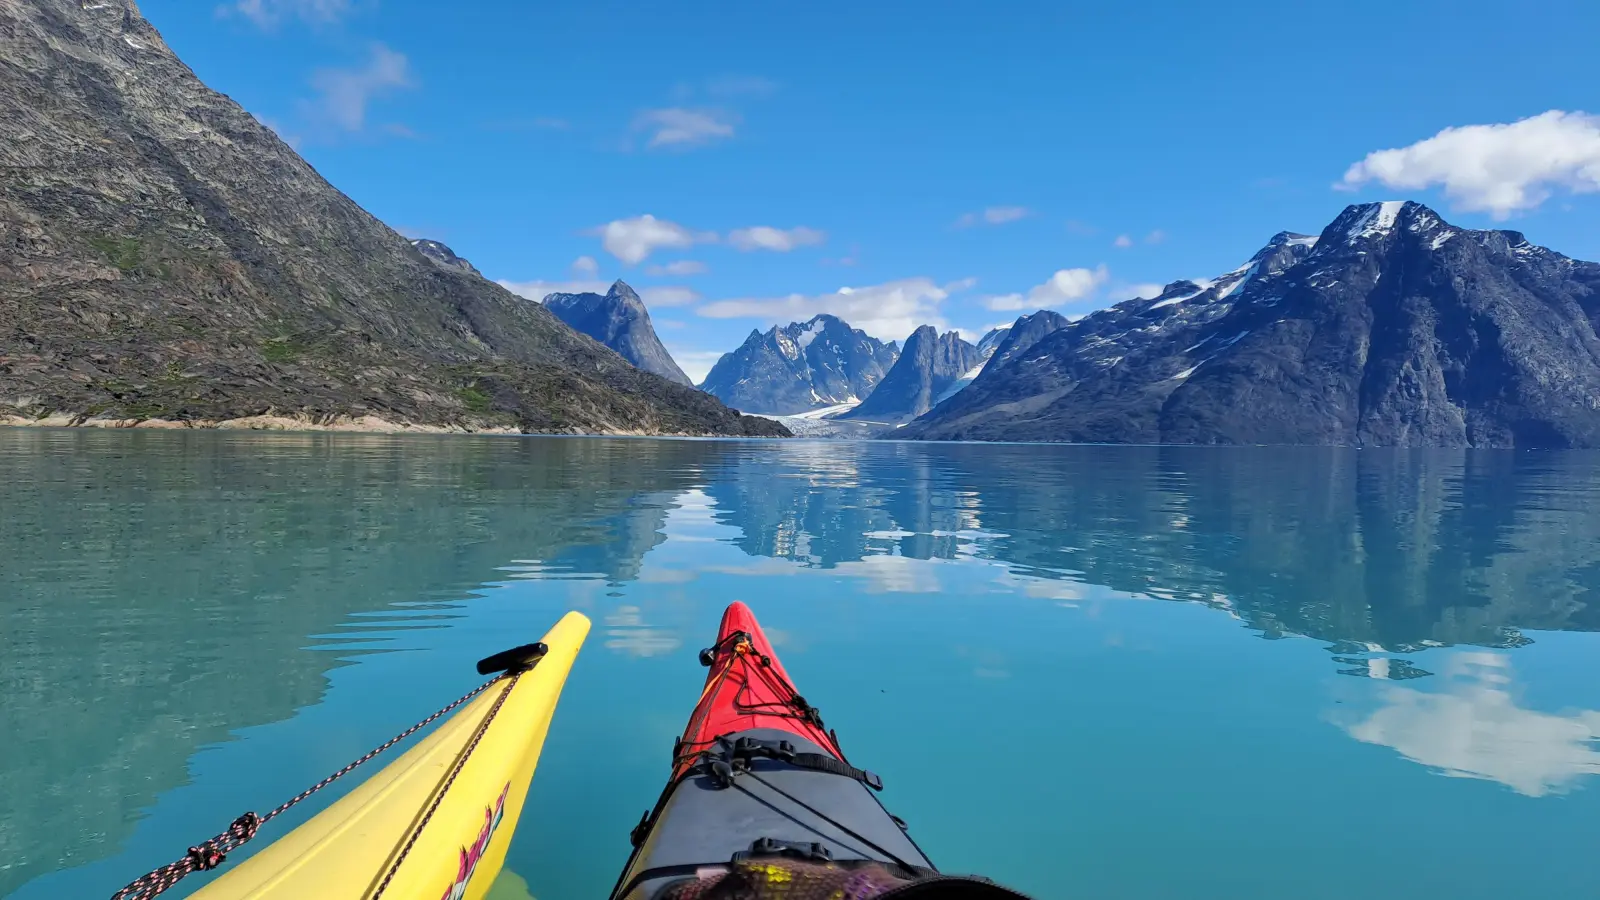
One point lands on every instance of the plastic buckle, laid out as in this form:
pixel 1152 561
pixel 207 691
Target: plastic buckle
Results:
pixel 765 846
pixel 748 748
pixel 720 771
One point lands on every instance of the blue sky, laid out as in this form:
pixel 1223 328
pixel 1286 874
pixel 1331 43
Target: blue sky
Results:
pixel 952 163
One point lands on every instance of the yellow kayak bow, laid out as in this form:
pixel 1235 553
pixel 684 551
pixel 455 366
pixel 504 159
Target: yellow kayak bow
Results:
pixel 435 823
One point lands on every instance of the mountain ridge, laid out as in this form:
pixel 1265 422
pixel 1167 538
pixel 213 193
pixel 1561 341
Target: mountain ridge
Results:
pixel 1389 328
pixel 171 260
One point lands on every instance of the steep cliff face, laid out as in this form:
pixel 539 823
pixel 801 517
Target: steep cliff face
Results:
pixel 1392 328
pixel 619 320
pixel 800 367
pixel 928 367
pixel 166 256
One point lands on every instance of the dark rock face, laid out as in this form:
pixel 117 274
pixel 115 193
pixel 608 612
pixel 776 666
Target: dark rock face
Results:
pixel 927 368
pixel 619 320
pixel 800 367
pixel 1393 328
pixel 1023 334
pixel 442 255
pixel 167 256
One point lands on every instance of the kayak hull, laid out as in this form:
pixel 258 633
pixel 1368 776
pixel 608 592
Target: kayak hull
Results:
pixel 347 850
pixel 705 820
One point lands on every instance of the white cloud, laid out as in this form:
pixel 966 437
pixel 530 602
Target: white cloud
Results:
pixel 345 93
pixel 1496 168
pixel 585 265
pixel 626 632
pixel 764 237
pixel 1065 286
pixel 889 311
pixel 679 268
pixel 885 574
pixel 631 240
pixel 268 13
pixel 668 295
pixel 1155 237
pixel 538 290
pixel 1123 242
pixel 695 363
pixel 993 215
pixel 1122 292
pixel 1476 730
pixel 682 127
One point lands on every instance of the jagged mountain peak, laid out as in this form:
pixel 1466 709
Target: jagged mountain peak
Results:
pixel 1363 222
pixel 799 367
pixel 929 366
pixel 618 318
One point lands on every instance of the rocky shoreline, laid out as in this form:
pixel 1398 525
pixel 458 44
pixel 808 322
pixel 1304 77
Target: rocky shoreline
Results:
pixel 346 424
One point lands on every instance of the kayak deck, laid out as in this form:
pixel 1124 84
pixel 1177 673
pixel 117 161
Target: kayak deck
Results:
pixel 756 772
pixel 428 825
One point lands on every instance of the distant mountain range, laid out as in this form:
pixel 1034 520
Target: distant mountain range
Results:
pixel 619 320
pixel 1390 328
pixel 800 367
pixel 167 257
pixel 929 365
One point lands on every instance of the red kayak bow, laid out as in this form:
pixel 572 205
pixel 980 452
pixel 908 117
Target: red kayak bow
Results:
pixel 747 688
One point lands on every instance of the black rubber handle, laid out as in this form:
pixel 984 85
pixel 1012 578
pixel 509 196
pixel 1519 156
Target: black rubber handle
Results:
pixel 517 659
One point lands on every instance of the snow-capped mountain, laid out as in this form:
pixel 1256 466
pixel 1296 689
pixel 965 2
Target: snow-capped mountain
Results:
pixel 1391 328
pixel 930 363
pixel 991 341
pixel 619 320
pixel 800 367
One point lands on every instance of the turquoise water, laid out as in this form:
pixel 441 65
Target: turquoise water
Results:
pixel 1111 672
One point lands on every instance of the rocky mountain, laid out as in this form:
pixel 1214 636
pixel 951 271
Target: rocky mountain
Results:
pixel 619 320
pixel 1023 334
pixel 800 367
pixel 1005 342
pixel 991 341
pixel 442 255
pixel 168 257
pixel 929 365
pixel 987 345
pixel 1391 328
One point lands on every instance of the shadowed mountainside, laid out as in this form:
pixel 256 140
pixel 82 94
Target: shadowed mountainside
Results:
pixel 168 257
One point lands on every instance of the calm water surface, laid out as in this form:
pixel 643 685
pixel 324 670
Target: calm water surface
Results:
pixel 1110 672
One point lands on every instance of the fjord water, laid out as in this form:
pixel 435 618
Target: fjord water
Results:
pixel 1115 672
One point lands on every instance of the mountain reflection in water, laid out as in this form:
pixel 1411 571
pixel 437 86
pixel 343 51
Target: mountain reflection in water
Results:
pixel 165 592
